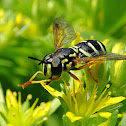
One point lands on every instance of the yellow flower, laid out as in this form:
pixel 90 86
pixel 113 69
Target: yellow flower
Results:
pixel 18 114
pixel 17 25
pixel 79 103
pixel 1 13
pixel 117 72
pixel 25 27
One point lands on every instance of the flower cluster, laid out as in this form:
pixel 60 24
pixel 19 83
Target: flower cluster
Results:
pixel 78 103
pixel 14 113
pixel 84 103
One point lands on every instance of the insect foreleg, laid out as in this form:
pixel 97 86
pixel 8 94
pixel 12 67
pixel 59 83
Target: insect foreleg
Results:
pixel 47 80
pixel 30 80
pixel 35 75
pixel 40 81
pixel 52 79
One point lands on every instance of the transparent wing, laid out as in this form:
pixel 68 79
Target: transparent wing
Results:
pixel 107 56
pixel 63 32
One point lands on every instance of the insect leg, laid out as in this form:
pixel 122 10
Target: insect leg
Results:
pixel 85 65
pixel 47 80
pixel 75 77
pixel 89 70
pixel 40 81
pixel 53 79
pixel 35 75
pixel 30 80
pixel 95 79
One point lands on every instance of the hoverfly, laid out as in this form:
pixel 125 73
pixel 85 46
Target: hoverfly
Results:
pixel 66 59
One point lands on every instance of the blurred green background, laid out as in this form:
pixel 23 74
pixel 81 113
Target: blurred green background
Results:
pixel 26 30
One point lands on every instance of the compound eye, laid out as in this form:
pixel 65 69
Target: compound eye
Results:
pixel 55 61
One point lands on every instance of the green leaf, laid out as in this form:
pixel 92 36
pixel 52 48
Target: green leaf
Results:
pixel 94 121
pixel 2 100
pixel 63 103
pixel 4 119
pixel 85 120
pixel 66 121
pixel 118 78
pixel 102 75
pixel 110 22
pixel 62 86
pixel 77 123
pixel 99 119
pixel 123 121
pixel 55 103
pixel 111 108
pixel 113 118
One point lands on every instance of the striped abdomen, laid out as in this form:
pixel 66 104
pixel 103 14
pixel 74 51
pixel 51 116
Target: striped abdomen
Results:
pixel 89 48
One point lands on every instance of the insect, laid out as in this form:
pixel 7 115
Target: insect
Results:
pixel 66 59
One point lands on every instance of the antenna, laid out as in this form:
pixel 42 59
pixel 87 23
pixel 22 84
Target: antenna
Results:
pixel 41 61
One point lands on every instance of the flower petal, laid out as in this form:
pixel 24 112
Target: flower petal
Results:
pixel 104 115
pixel 78 39
pixel 117 48
pixel 105 41
pixel 41 110
pixel 72 117
pixel 52 91
pixel 11 99
pixel 114 100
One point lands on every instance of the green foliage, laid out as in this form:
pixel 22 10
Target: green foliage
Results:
pixel 123 121
pixel 113 118
pixel 111 108
pixel 26 30
pixel 98 121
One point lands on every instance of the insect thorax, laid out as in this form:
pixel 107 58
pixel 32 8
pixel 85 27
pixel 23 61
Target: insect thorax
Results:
pixel 67 56
pixel 61 60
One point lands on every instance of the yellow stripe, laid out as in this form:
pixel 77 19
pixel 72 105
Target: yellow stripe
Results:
pixel 95 50
pixel 43 66
pixel 68 66
pixel 48 73
pixel 75 48
pixel 85 53
pixel 72 55
pixel 64 61
pixel 101 46
pixel 83 41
